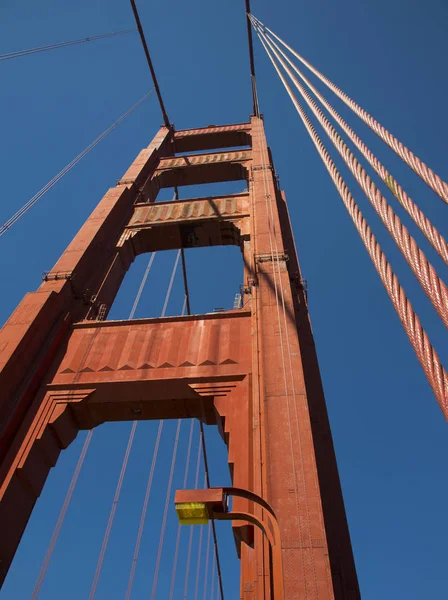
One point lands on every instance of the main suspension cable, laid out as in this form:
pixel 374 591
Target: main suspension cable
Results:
pixel 425 273
pixel 68 168
pixel 57 529
pixel 427 228
pixel 427 356
pixel 102 36
pixel 431 179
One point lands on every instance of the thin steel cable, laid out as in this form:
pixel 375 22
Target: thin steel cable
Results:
pixel 212 595
pixel 156 447
pixel 207 556
pixel 60 521
pixel 199 561
pixel 124 464
pixel 144 511
pixel 423 223
pixel 112 513
pixel 170 285
pixel 10 222
pixel 190 540
pixel 431 179
pixel 427 356
pixel 198 564
pixel 20 53
pixel 207 481
pixel 425 273
pixel 165 511
pixel 179 529
pixel 142 285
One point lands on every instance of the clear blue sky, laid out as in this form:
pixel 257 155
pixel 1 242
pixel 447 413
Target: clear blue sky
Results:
pixel 391 438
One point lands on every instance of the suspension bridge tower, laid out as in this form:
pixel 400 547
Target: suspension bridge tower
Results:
pixel 252 371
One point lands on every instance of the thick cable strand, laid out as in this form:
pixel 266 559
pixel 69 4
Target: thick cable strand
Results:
pixel 60 521
pixel 425 273
pixel 10 222
pixel 431 179
pixel 190 540
pixel 20 53
pixel 112 512
pixel 144 511
pixel 423 223
pixel 165 511
pixel 427 356
pixel 179 529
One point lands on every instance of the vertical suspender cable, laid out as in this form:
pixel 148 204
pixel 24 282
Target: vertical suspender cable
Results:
pixel 112 512
pixel 77 471
pixel 251 59
pixel 201 426
pixel 207 555
pixel 431 179
pixel 165 511
pixel 170 285
pixel 190 540
pixel 155 453
pixel 57 529
pixel 150 65
pixel 427 356
pixel 419 218
pixel 176 551
pixel 423 270
pixel 143 513
pixel 212 591
pixel 142 285
pixel 124 464
pixel 207 480
pixel 199 561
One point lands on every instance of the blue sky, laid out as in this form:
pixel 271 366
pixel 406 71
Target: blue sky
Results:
pixel 391 438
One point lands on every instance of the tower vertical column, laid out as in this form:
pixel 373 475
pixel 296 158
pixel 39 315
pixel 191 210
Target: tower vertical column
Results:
pixel 293 450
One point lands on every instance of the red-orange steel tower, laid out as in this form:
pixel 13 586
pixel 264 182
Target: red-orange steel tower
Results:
pixel 252 371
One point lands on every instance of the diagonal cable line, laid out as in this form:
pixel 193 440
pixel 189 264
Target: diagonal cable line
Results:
pixel 29 51
pixel 423 223
pixel 10 222
pixel 423 270
pixel 431 179
pixel 60 521
pixel 427 356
